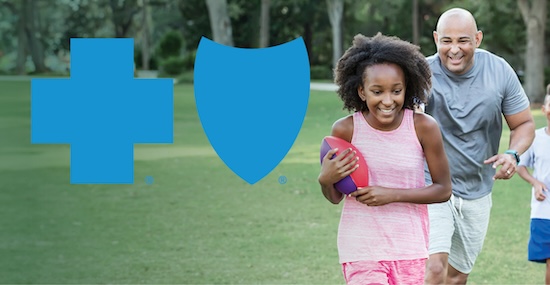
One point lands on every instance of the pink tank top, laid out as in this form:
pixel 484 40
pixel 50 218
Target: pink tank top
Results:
pixel 396 231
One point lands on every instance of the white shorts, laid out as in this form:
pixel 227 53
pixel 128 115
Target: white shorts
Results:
pixel 458 227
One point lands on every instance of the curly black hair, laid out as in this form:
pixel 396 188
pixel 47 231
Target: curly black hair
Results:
pixel 367 51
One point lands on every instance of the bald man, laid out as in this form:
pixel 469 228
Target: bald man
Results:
pixel 472 89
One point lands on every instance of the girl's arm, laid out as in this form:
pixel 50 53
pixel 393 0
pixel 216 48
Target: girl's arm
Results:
pixel 333 170
pixel 430 138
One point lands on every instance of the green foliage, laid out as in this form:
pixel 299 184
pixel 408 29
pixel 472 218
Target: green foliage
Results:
pixel 169 52
pixel 195 22
pixel 8 40
pixel 305 18
pixel 320 72
pixel 189 60
pixel 173 65
pixel 84 19
pixel 179 24
pixel 546 76
pixel 393 18
pixel 170 45
pixel 245 16
pixel 186 77
pixel 153 65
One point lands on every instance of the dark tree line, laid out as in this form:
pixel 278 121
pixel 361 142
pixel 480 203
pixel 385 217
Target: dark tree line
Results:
pixel 33 30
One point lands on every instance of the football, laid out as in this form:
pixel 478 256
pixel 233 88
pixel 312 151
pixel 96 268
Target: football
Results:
pixel 358 178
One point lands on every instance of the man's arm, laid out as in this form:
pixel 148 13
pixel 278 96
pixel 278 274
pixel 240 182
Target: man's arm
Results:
pixel 522 130
pixel 522 133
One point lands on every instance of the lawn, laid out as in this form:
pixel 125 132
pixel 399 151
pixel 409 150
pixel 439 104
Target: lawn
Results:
pixel 197 222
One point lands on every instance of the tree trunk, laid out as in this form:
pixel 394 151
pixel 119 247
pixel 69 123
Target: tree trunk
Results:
pixel 534 16
pixel 415 22
pixel 308 40
pixel 220 22
pixel 21 39
pixel 264 23
pixel 122 16
pixel 335 11
pixel 34 44
pixel 145 33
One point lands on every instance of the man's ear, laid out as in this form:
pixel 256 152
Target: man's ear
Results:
pixel 479 38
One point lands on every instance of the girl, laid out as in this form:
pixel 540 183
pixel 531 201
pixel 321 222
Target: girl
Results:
pixel 383 231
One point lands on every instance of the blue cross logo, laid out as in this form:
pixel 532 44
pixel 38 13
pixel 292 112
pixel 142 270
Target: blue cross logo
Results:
pixel 102 111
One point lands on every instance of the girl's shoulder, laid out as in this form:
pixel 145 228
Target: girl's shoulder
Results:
pixel 425 125
pixel 421 118
pixel 343 128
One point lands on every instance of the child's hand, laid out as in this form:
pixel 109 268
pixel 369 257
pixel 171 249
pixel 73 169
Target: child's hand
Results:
pixel 333 170
pixel 373 195
pixel 540 190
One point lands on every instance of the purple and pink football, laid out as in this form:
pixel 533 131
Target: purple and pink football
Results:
pixel 357 179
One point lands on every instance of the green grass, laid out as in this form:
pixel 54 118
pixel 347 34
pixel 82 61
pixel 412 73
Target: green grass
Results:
pixel 198 223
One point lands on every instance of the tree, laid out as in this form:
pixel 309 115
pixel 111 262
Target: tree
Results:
pixel 145 34
pixel 123 12
pixel 415 22
pixel 9 36
pixel 264 23
pixel 245 16
pixel 21 41
pixel 534 13
pixel 220 22
pixel 33 42
pixel 305 18
pixel 335 11
pixel 85 20
pixel 196 22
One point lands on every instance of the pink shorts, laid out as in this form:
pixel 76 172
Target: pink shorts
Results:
pixel 385 272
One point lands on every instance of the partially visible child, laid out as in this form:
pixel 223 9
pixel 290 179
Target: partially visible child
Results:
pixel 537 157
pixel 383 231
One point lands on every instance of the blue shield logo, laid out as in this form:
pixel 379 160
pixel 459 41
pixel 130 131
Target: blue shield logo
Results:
pixel 251 102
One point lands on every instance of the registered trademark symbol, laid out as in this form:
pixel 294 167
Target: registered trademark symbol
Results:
pixel 149 180
pixel 282 179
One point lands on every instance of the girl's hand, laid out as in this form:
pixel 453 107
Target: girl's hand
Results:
pixel 335 169
pixel 374 195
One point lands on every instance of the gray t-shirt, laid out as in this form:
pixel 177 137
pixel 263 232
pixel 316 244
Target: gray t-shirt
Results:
pixel 469 110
